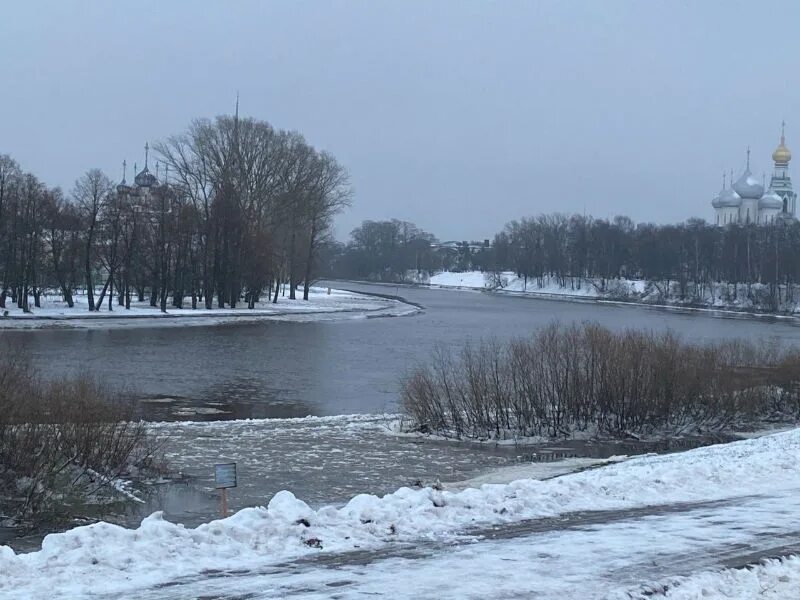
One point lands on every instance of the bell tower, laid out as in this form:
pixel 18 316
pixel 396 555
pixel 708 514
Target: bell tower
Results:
pixel 781 182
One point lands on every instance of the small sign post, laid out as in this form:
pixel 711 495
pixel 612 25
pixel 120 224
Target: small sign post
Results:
pixel 224 478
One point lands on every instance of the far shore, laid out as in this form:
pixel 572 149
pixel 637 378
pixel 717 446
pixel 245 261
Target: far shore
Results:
pixel 323 304
pixel 721 311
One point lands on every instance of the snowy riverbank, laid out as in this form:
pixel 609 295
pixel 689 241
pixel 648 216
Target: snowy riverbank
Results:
pixel 736 495
pixel 54 313
pixel 718 297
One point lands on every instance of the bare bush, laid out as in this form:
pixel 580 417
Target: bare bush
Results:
pixel 585 377
pixel 62 442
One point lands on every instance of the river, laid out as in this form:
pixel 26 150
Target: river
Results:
pixel 289 369
pixel 296 369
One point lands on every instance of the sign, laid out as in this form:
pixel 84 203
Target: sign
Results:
pixel 225 475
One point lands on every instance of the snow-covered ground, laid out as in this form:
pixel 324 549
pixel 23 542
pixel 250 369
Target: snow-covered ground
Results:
pixel 320 305
pixel 509 282
pixel 600 533
pixel 776 579
pixel 719 296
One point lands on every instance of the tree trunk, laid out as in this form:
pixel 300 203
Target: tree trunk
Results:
pixel 88 269
pixel 309 259
pixel 102 293
pixel 292 282
pixel 89 286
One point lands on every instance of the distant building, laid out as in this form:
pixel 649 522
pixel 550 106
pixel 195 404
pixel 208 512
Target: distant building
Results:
pixel 746 201
pixel 455 247
pixel 144 182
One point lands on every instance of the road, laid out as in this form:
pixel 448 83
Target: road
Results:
pixel 594 554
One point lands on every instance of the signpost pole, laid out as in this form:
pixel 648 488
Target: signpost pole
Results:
pixel 224 502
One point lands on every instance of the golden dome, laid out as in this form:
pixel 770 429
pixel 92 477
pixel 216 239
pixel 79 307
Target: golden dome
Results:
pixel 782 154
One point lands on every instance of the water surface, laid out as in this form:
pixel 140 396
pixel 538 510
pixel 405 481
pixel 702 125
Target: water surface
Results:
pixel 286 369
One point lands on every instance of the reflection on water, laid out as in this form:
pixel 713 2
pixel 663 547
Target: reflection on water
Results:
pixel 224 403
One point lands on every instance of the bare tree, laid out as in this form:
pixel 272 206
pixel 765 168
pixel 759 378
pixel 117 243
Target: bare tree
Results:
pixel 91 193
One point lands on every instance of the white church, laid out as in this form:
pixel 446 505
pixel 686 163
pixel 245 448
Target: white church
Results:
pixel 746 200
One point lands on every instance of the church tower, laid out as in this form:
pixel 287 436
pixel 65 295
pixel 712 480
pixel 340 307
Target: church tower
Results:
pixel 781 183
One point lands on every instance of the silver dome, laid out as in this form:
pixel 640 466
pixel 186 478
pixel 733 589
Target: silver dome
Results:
pixel 748 187
pixel 716 201
pixel 771 200
pixel 727 199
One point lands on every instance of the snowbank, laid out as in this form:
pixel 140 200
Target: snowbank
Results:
pixel 777 579
pixel 507 281
pixel 78 561
pixel 320 305
pixel 469 279
pixel 717 296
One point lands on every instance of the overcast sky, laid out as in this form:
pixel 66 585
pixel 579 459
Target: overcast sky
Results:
pixel 458 116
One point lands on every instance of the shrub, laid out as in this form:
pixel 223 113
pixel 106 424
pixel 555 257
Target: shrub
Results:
pixel 62 442
pixel 580 377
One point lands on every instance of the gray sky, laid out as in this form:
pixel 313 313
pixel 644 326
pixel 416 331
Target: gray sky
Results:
pixel 456 115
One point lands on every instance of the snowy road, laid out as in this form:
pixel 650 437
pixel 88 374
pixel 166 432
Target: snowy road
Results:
pixel 602 554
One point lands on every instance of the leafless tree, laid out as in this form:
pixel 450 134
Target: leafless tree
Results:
pixel 91 193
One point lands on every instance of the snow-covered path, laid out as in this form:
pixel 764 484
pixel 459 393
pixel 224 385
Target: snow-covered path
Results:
pixel 608 554
pixel 601 533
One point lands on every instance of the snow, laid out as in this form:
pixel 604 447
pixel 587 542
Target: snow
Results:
pixel 534 470
pixel 469 279
pixel 716 296
pixel 720 496
pixel 774 578
pixel 589 563
pixel 508 282
pixel 321 305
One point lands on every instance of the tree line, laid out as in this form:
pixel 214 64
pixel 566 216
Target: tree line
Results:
pixel 241 210
pixel 393 250
pixel 693 257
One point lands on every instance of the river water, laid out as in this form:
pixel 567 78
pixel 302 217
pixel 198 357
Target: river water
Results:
pixel 289 369
pixel 296 369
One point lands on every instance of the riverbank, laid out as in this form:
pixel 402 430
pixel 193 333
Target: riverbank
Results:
pixel 741 496
pixel 327 460
pixel 718 299
pixel 323 304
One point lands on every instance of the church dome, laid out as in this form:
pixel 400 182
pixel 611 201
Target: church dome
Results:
pixel 770 200
pixel 782 154
pixel 728 198
pixel 145 178
pixel 748 187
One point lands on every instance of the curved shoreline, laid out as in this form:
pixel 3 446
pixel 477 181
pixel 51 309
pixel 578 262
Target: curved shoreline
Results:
pixel 723 313
pixel 393 307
